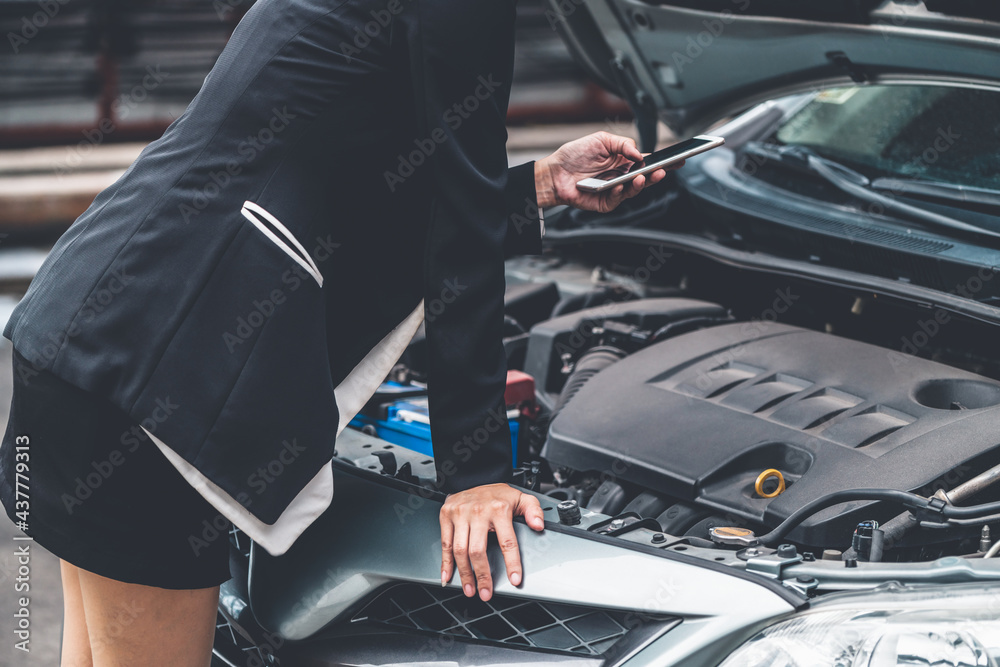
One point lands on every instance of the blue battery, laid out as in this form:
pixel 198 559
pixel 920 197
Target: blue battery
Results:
pixel 406 425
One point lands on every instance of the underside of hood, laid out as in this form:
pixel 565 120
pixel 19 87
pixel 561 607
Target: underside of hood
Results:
pixel 691 62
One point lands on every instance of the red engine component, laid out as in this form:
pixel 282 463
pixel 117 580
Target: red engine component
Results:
pixel 520 393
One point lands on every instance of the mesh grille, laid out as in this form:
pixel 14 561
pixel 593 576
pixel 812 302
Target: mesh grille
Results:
pixel 239 541
pixel 232 649
pixel 508 621
pixel 884 237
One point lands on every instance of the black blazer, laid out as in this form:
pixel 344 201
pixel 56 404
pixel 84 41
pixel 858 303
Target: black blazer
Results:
pixel 249 281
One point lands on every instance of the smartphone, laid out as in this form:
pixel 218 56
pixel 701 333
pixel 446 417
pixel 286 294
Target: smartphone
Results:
pixel 658 160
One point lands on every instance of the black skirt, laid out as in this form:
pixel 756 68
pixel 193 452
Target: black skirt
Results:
pixel 83 480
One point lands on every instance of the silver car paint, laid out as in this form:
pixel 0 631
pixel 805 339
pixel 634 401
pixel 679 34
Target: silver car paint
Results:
pixel 375 534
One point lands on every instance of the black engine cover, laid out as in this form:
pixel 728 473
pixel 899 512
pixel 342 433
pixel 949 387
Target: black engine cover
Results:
pixel 700 416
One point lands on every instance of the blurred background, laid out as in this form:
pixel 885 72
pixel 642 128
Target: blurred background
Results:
pixel 82 62
pixel 86 84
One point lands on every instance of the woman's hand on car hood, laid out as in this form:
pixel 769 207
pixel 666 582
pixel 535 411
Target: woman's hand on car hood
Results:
pixel 467 518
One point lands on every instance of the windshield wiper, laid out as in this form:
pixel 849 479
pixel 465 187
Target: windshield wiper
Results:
pixel 855 184
pixel 951 192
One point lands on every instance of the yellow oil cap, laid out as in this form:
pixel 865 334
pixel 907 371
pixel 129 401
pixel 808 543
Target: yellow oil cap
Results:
pixel 770 473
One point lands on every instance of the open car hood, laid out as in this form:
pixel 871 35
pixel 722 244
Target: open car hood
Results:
pixel 691 62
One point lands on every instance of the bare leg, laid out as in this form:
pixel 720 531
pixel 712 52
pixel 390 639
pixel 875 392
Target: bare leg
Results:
pixel 132 624
pixel 75 640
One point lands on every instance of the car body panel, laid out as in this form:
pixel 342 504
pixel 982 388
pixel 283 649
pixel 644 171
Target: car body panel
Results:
pixel 683 61
pixel 375 534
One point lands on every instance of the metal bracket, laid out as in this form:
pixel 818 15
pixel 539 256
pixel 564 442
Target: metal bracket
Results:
pixel 805 585
pixel 932 515
pixel 841 61
pixel 771 566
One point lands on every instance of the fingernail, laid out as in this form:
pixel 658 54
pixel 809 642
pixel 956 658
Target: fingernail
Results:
pixel 444 578
pixel 515 578
pixel 484 594
pixel 469 590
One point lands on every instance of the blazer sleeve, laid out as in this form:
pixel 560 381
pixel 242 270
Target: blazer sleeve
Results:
pixel 524 226
pixel 461 68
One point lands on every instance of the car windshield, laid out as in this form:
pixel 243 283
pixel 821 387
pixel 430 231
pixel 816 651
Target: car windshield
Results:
pixel 948 135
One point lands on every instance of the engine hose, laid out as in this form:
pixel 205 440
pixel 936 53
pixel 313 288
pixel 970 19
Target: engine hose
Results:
pixel 978 521
pixel 909 500
pixel 835 498
pixel 897 527
pixel 589 364
pixel 971 512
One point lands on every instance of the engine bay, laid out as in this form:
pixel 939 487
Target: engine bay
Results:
pixel 665 417
pixel 699 417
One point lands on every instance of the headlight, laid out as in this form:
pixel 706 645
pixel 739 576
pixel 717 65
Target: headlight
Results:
pixel 893 626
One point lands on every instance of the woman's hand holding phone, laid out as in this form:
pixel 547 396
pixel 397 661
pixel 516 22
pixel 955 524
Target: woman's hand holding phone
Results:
pixel 594 156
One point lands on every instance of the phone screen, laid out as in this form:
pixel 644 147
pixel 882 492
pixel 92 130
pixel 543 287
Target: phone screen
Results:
pixel 669 152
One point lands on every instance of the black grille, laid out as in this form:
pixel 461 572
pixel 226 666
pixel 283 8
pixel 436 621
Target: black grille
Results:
pixel 239 541
pixel 869 249
pixel 821 223
pixel 232 649
pixel 503 620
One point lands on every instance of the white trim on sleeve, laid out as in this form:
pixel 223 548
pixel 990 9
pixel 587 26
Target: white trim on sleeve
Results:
pixel 303 258
pixel 316 496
